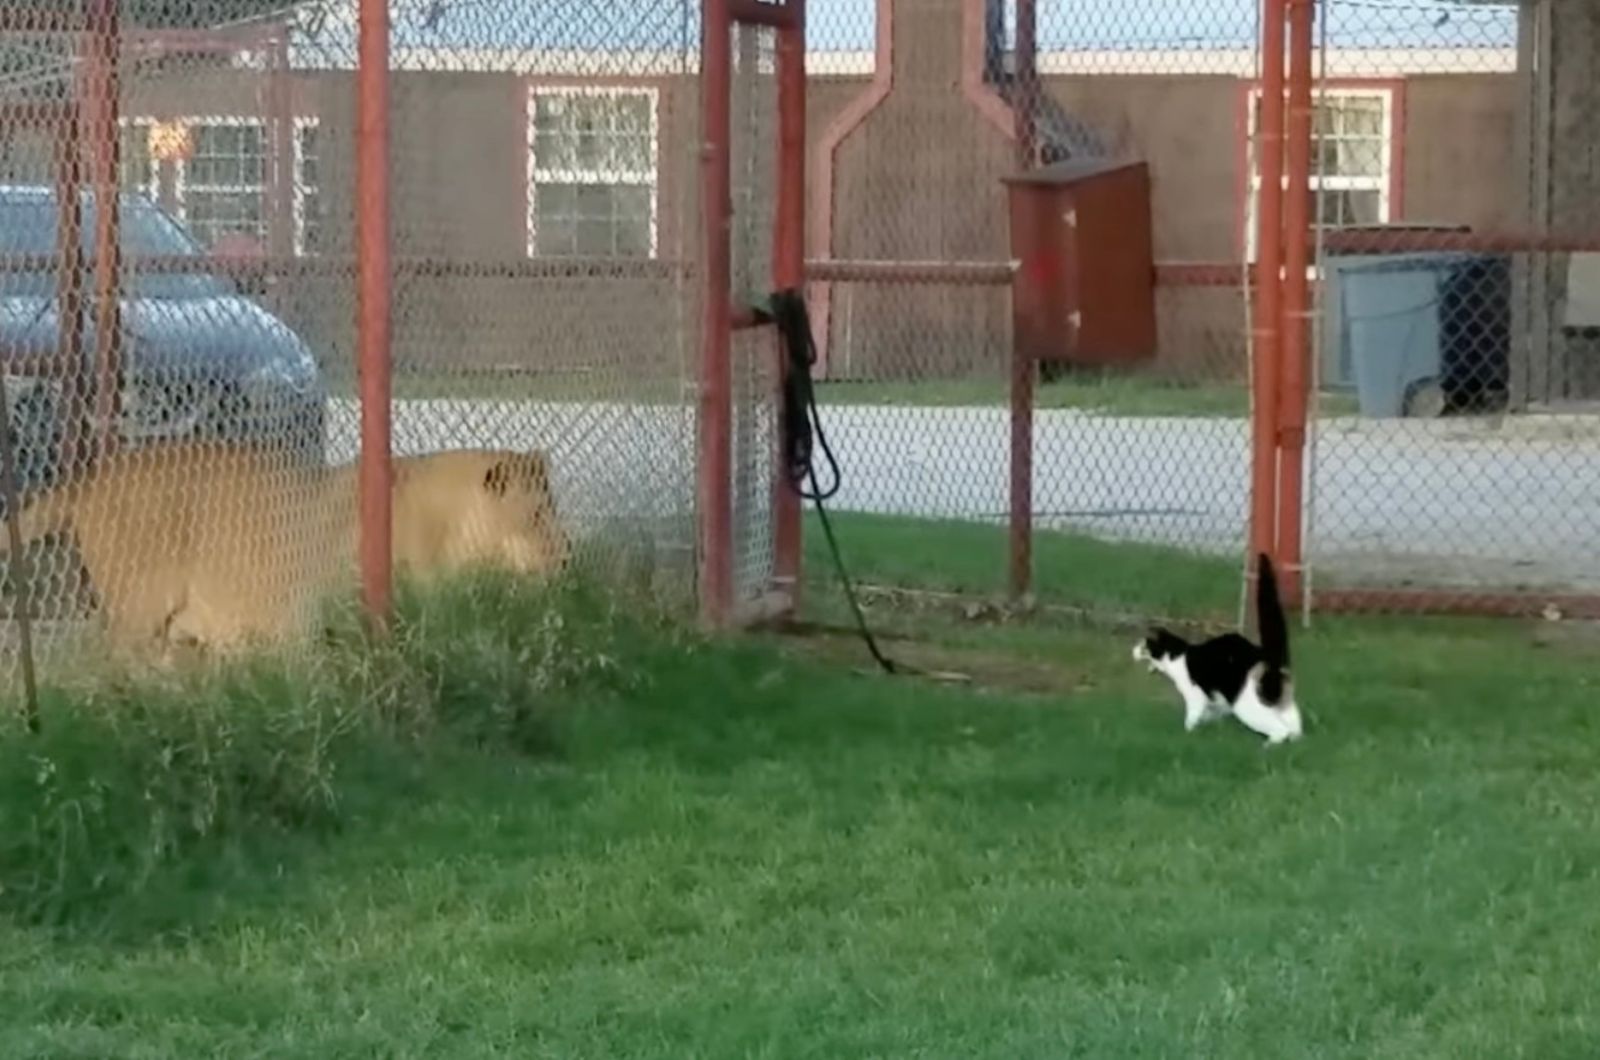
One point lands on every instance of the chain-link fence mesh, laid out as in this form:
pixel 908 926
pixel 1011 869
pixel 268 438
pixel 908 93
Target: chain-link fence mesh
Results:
pixel 919 113
pixel 152 162
pixel 753 154
pixel 1449 245
pixel 547 225
pixel 545 218
pixel 1454 192
pixel 546 229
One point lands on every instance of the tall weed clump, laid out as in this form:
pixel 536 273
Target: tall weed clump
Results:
pixel 134 777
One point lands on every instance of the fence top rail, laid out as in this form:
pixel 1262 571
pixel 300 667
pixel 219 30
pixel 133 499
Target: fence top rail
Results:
pixel 966 273
pixel 1507 241
pixel 345 265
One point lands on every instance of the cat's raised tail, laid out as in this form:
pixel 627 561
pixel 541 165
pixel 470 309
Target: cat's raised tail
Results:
pixel 1274 631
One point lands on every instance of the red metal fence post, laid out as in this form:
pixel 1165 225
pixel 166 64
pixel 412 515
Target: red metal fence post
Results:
pixel 69 368
pixel 1027 81
pixel 102 96
pixel 1268 306
pixel 713 419
pixel 1020 566
pixel 788 270
pixel 373 299
pixel 1023 367
pixel 1296 346
pixel 282 135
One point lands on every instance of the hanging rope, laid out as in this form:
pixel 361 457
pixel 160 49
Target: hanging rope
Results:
pixel 803 438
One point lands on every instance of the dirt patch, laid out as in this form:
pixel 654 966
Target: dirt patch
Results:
pixel 1576 637
pixel 977 668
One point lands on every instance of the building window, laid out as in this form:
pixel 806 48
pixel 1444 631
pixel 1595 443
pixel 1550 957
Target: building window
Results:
pixel 222 185
pixel 308 230
pixel 592 172
pixel 1352 161
pixel 214 174
pixel 138 170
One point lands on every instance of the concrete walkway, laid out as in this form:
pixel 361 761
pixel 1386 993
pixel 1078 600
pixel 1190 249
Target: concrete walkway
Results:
pixel 1437 502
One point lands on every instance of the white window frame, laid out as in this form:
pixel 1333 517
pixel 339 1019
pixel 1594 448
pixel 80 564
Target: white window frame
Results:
pixel 181 183
pixel 1383 183
pixel 650 177
pixel 180 167
pixel 152 187
pixel 301 123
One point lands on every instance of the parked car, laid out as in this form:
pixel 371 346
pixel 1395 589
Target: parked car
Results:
pixel 199 357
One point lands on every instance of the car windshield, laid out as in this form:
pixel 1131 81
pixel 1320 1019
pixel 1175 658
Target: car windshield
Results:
pixel 28 227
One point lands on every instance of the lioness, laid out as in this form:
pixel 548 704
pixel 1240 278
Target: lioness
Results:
pixel 190 542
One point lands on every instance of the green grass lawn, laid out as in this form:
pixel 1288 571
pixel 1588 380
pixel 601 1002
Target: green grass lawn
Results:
pixel 1110 393
pixel 759 852
pixel 1114 394
pixel 1071 570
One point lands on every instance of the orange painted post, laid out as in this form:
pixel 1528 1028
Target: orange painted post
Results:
pixel 1024 365
pixel 788 270
pixel 1268 306
pixel 102 96
pixel 280 121
pixel 374 306
pixel 713 420
pixel 1296 348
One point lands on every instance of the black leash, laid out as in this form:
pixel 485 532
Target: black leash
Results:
pixel 803 437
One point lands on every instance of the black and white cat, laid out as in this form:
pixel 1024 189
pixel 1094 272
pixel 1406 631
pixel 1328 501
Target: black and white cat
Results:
pixel 1230 674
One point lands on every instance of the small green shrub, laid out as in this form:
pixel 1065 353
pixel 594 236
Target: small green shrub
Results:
pixel 131 778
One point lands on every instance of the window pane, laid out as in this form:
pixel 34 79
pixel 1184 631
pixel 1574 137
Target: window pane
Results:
pixel 592 219
pixel 594 200
pixel 588 113
pixel 552 150
pixel 632 115
pixel 311 222
pixel 1325 157
pixel 595 237
pixel 632 153
pixel 1356 158
pixel 1360 117
pixel 586 153
pixel 1360 206
pixel 553 219
pixel 227 156
pixel 547 111
pixel 214 214
pixel 632 203
pixel 309 155
pixel 556 200
pixel 556 237
pixel 633 236
pixel 137 171
pixel 600 134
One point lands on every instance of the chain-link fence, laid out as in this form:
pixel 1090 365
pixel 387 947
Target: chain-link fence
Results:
pixel 1030 226
pixel 1427 290
pixel 181 242
pixel 545 220
pixel 1454 186
pixel 930 124
pixel 153 160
